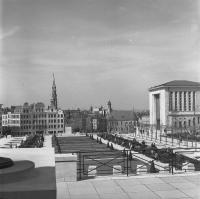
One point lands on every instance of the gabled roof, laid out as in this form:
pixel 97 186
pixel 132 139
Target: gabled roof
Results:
pixel 122 115
pixel 176 83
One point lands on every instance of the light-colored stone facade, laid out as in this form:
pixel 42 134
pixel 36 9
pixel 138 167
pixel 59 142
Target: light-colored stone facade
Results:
pixel 11 120
pixel 176 104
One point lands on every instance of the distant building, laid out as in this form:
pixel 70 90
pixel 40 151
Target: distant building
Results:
pixel 75 119
pixel 120 121
pixel 96 122
pixel 11 120
pixel 175 103
pixel 35 118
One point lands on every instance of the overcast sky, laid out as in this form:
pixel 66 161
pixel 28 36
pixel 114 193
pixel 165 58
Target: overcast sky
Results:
pixel 97 49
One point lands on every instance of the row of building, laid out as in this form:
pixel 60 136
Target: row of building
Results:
pixel 35 118
pixel 175 104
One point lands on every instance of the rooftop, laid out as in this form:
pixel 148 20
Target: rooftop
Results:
pixel 176 83
pixel 123 115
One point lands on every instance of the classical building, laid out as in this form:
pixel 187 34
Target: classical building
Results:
pixel 120 121
pixel 175 103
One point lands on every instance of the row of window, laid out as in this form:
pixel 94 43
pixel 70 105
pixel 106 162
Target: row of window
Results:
pixel 42 127
pixel 54 126
pixel 13 116
pixel 182 101
pixel 190 122
pixel 10 122
pixel 17 116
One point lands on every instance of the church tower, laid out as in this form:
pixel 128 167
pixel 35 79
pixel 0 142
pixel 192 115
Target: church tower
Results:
pixel 109 107
pixel 54 95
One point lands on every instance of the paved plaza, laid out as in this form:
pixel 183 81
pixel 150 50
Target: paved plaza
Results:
pixel 141 187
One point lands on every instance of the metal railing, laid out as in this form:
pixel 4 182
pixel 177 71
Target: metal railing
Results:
pixel 120 163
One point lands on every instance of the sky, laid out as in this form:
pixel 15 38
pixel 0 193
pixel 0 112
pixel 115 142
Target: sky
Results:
pixel 98 50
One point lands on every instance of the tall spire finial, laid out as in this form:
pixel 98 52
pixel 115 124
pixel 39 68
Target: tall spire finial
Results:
pixel 54 94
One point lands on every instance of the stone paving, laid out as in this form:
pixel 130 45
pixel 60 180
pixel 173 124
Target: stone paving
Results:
pixel 140 187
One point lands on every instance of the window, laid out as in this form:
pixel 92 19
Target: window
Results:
pixel 189 101
pixel 189 123
pixel 170 101
pixel 180 101
pixel 193 121
pixel 176 106
pixel 198 120
pixel 184 101
pixel 194 101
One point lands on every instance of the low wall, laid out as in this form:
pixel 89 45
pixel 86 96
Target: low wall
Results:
pixel 39 183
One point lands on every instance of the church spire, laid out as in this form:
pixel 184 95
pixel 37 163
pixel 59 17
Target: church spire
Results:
pixel 54 94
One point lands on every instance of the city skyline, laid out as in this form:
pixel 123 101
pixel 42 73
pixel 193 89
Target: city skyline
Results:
pixel 98 50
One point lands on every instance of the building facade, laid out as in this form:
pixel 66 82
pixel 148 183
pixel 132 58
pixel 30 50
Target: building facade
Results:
pixel 35 118
pixel 121 121
pixel 76 119
pixel 11 120
pixel 175 104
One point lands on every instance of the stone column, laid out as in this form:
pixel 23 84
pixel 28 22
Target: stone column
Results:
pixel 192 101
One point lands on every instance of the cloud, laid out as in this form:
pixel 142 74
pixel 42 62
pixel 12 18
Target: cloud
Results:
pixel 9 33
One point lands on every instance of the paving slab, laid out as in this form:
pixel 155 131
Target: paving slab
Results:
pixel 194 193
pixel 137 187
pixel 81 188
pixel 171 194
pixel 151 180
pixel 85 196
pixel 62 191
pixel 183 185
pixel 174 179
pixel 160 187
pixel 143 195
pixel 115 196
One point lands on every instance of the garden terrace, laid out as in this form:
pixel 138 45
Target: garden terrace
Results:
pixel 93 152
pixel 76 143
pixel 33 141
pixel 164 155
pixel 185 136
